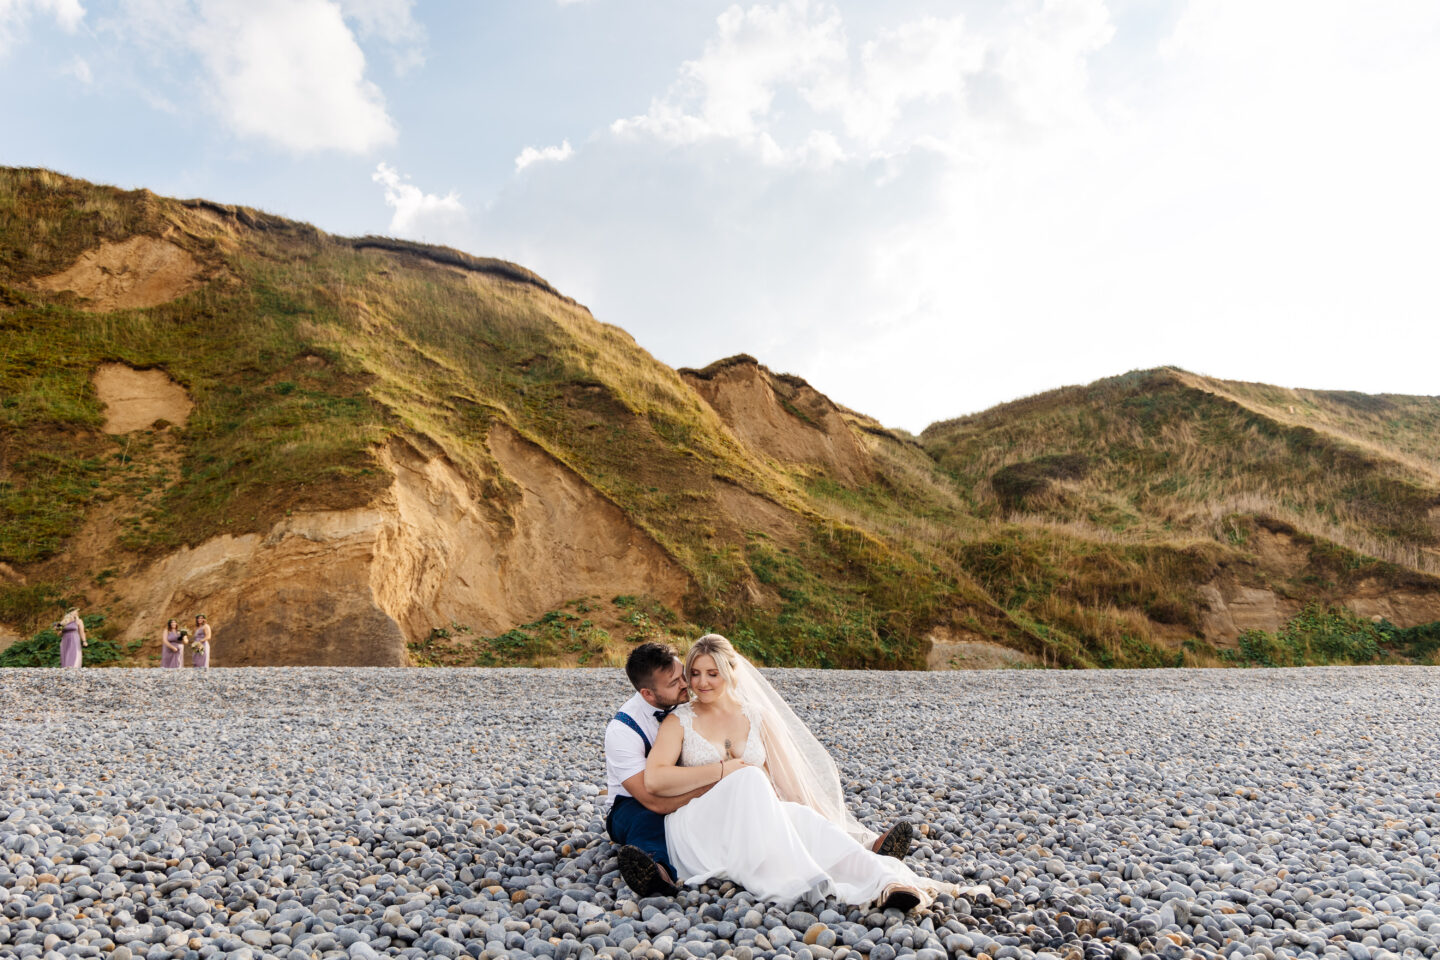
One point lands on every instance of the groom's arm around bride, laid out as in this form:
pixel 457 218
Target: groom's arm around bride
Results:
pixel 636 818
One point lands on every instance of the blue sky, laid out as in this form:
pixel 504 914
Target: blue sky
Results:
pixel 924 208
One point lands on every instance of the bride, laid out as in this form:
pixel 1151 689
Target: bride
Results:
pixel 775 821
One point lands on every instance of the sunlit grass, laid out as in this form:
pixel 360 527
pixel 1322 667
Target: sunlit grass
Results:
pixel 306 354
pixel 1169 454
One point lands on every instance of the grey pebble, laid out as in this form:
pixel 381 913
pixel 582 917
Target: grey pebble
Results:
pixel 357 813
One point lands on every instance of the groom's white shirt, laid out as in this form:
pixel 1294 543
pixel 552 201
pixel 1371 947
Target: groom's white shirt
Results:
pixel 624 750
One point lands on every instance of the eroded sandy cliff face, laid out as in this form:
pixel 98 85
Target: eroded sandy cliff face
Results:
pixel 1231 608
pixel 136 399
pixel 355 586
pixel 781 417
pixel 139 272
pixel 319 534
pixel 1232 603
pixel 446 558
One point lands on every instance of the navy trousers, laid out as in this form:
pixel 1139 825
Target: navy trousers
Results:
pixel 630 821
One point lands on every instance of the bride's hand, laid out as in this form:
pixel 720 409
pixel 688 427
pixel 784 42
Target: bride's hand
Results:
pixel 732 765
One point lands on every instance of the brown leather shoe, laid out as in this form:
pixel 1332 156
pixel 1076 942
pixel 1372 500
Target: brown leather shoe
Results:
pixel 643 875
pixel 896 842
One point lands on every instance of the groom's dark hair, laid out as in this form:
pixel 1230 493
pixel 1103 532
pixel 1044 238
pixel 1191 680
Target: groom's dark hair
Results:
pixel 645 659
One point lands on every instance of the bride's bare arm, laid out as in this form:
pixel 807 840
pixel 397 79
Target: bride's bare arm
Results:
pixel 656 803
pixel 665 777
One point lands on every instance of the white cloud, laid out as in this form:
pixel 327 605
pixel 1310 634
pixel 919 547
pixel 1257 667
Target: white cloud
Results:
pixel 924 60
pixel 287 72
pixel 14 14
pixel 290 71
pixel 420 215
pixel 820 149
pixel 728 93
pixel 1029 194
pixel 78 68
pixel 67 13
pixel 870 197
pixel 391 21
pixel 544 155
pixel 909 86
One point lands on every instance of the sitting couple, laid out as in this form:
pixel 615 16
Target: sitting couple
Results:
pixel 732 784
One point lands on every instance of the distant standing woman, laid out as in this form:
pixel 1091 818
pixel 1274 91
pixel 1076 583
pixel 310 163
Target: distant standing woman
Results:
pixel 72 638
pixel 172 646
pixel 201 642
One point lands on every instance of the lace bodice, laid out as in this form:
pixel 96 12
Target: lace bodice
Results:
pixel 696 751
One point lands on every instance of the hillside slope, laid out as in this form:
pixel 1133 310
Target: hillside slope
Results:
pixel 388 440
pixel 1291 496
pixel 366 451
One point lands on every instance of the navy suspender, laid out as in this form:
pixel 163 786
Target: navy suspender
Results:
pixel 629 721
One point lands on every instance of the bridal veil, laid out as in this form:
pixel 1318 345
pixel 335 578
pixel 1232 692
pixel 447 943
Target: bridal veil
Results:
pixel 801 769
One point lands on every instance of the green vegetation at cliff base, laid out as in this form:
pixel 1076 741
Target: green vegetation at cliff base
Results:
pixel 1320 636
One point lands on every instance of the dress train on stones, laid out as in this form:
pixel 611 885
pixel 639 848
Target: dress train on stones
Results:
pixel 742 831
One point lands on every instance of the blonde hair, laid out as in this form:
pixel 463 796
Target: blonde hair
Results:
pixel 723 653
pixel 70 616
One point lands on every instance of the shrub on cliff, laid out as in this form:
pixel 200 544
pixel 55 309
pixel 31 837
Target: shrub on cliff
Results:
pixel 1315 636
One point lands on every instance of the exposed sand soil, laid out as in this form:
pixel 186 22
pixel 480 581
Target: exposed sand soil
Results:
pixel 977 655
pixel 782 418
pixel 958 649
pixel 135 399
pixel 354 586
pixel 139 272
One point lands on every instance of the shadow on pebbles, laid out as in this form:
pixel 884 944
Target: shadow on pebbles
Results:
pixel 440 813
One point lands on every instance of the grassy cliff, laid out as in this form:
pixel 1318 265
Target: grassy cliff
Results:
pixel 1132 492
pixel 1080 527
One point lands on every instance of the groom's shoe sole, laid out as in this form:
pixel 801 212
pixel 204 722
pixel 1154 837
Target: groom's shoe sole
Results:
pixel 896 842
pixel 642 874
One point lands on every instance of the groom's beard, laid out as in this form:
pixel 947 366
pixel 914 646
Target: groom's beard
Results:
pixel 682 697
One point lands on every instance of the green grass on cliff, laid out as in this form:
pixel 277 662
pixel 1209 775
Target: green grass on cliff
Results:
pixel 1078 526
pixel 304 354
pixel 272 430
pixel 1162 456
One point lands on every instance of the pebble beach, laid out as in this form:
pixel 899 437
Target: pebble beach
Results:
pixel 357 813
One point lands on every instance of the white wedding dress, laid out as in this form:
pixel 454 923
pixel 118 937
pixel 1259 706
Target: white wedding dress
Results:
pixel 741 830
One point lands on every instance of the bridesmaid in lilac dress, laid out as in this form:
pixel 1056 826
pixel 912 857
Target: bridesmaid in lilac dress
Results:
pixel 172 651
pixel 201 641
pixel 72 638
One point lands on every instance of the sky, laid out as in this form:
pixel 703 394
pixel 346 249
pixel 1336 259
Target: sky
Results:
pixel 923 208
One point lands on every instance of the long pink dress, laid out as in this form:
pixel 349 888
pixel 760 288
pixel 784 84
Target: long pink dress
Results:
pixel 172 659
pixel 70 653
pixel 202 656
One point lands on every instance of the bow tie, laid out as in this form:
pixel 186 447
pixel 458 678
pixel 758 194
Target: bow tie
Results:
pixel 662 714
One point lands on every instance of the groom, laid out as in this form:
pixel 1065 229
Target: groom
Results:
pixel 636 819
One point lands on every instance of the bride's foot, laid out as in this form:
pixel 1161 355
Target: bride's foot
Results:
pixel 896 841
pixel 643 875
pixel 900 897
